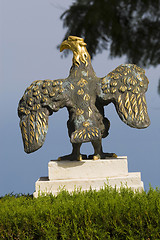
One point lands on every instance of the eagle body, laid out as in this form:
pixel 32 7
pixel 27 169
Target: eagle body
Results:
pixel 84 95
pixel 85 119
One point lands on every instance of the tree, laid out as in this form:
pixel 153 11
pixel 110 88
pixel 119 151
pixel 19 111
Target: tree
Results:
pixel 159 87
pixel 125 27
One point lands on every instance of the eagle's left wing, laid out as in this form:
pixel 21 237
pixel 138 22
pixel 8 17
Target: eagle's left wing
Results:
pixel 125 87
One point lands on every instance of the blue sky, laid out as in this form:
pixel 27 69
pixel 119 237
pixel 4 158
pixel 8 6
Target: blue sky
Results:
pixel 30 31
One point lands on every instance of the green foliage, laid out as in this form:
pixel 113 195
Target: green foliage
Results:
pixel 106 214
pixel 125 27
pixel 159 87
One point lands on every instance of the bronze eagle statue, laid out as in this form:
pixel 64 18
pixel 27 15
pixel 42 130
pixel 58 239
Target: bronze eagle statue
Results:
pixel 84 95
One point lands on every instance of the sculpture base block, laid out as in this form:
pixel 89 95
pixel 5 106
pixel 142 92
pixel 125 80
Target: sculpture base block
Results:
pixel 86 174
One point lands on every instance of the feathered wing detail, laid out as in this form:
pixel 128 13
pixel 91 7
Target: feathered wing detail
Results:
pixel 34 128
pixel 125 87
pixel 39 101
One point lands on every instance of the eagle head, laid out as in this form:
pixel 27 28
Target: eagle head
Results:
pixel 78 47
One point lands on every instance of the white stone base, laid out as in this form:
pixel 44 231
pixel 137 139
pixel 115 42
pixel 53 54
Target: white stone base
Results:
pixel 86 174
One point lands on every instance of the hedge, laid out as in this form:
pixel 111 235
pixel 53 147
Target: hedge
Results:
pixel 105 214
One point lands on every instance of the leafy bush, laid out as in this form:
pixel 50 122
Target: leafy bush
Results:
pixel 106 214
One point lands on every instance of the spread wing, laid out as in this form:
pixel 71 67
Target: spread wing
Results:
pixel 125 87
pixel 39 101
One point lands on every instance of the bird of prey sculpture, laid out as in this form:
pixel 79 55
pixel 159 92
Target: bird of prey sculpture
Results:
pixel 84 95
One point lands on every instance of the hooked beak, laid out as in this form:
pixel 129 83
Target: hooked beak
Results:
pixel 64 45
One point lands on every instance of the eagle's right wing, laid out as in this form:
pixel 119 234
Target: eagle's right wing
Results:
pixel 40 100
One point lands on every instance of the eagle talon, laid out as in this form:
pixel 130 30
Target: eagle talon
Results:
pixel 96 157
pixel 102 156
pixel 73 157
pixel 79 158
pixel 108 155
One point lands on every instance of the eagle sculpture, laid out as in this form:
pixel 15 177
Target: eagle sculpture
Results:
pixel 84 95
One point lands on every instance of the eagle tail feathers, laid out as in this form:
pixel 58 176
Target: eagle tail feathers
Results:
pixel 86 134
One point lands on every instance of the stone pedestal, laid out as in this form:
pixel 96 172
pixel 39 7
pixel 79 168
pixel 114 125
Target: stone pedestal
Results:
pixel 87 174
